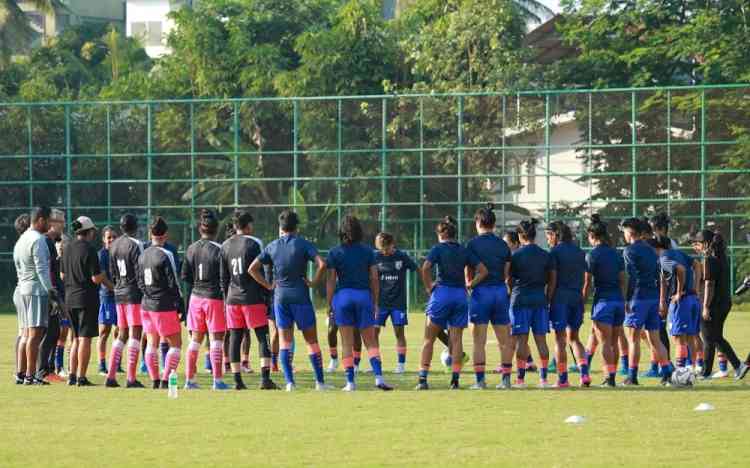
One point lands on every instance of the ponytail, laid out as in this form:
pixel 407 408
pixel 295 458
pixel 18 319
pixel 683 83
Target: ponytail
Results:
pixel 448 227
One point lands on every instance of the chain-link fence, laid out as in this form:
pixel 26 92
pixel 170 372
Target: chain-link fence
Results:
pixel 399 162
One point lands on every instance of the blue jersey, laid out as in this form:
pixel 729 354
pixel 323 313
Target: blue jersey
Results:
pixel 529 266
pixel 392 272
pixel 642 265
pixel 668 262
pixel 605 264
pixel 105 293
pixel 450 259
pixel 352 263
pixel 289 256
pixel 494 253
pixel 570 263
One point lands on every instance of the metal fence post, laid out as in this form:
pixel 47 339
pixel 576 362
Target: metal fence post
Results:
pixel 295 152
pixel 193 187
pixel 31 158
pixel 68 168
pixel 149 159
pixel 236 144
pixel 703 158
pixel 383 165
pixel 547 156
pixel 633 164
pixel 459 167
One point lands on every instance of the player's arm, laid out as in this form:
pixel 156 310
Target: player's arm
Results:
pixel 374 288
pixel 586 285
pixel 468 275
pixel 320 264
pixel 508 280
pixel 256 273
pixel 623 280
pixel 697 276
pixel 709 289
pixel 680 277
pixel 551 284
pixel 481 274
pixel 426 272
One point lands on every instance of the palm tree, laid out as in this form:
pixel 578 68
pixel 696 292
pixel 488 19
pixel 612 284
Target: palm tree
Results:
pixel 15 31
pixel 536 12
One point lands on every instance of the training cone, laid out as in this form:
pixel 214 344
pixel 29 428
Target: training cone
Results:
pixel 705 407
pixel 575 420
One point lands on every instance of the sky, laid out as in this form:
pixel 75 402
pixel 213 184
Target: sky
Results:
pixel 553 4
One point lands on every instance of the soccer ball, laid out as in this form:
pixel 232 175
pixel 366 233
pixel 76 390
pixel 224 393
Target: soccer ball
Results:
pixel 445 358
pixel 683 377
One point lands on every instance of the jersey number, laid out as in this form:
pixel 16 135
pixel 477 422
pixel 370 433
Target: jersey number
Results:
pixel 200 272
pixel 148 277
pixel 237 266
pixel 123 267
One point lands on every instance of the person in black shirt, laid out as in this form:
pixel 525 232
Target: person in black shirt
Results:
pixel 247 301
pixel 392 265
pixel 161 304
pixel 206 312
pixel 717 300
pixel 82 276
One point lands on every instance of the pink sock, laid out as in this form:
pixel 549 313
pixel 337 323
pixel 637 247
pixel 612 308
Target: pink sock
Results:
pixel 114 359
pixel 152 363
pixel 217 355
pixel 134 348
pixel 192 360
pixel 173 360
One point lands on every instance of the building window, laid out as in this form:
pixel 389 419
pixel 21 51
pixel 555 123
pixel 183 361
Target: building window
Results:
pixel 149 32
pixel 531 176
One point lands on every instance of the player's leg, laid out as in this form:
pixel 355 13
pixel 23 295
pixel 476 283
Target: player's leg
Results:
pixel 347 354
pixel 370 340
pixel 505 343
pixel 305 318
pixel 559 321
pixel 216 322
pixel 400 333
pixel 60 348
pixel 541 344
pixel 357 349
pixel 194 346
pixel 634 354
pixel 168 327
pixel 101 347
pixel 521 345
pixel 246 342
pixel 47 348
pixel 606 337
pixel 574 338
pixel 479 335
pixel 431 332
pixel 591 344
pixel 21 356
pixel 332 336
pixel 274 342
pixel 262 335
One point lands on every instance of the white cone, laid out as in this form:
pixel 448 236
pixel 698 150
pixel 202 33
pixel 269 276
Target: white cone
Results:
pixel 575 420
pixel 705 407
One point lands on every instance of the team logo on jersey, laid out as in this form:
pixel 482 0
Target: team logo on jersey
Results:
pixel 399 264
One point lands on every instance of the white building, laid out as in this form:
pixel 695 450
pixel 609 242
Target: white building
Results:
pixel 148 21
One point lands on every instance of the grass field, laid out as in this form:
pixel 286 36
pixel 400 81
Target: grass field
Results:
pixel 649 426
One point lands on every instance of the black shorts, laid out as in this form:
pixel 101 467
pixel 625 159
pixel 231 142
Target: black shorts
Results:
pixel 85 321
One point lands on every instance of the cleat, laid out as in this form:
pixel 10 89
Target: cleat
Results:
pixel 268 385
pixel 629 383
pixel 504 384
pixel 384 386
pixel 134 384
pixel 240 386
pixel 573 369
pixel 84 382
pixel 156 384
pixel 558 385
pixel 543 384
pixel 741 373
pixel 720 374
pixel 585 381
pixel 454 386
pixel 19 380
pixel 481 385
pixel 651 374
pixel 422 386
pixel 322 387
pixel 665 381
pixel 102 369
pixel 290 387
pixel 349 387
pixel 400 368
pixel 111 383
pixel 608 384
pixel 72 380
pixel 519 384
pixel 164 385
pixel 36 381
pixel 332 365
pixel 190 385
pixel 220 385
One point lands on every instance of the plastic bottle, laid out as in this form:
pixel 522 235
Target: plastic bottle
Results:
pixel 172 393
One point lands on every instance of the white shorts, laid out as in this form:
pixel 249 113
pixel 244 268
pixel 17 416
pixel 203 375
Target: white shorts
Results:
pixel 33 311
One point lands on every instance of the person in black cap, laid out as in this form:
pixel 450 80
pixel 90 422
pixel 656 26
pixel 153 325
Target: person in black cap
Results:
pixel 716 300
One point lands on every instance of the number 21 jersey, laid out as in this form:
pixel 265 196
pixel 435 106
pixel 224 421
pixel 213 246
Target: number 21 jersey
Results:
pixel 240 288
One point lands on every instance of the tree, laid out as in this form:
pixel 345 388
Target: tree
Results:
pixel 15 31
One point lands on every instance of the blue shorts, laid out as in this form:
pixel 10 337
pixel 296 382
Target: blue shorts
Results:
pixel 523 319
pixel 684 317
pixel 65 323
pixel 489 304
pixel 447 307
pixel 644 313
pixel 289 314
pixel 398 317
pixel 563 316
pixel 107 312
pixel 610 313
pixel 353 308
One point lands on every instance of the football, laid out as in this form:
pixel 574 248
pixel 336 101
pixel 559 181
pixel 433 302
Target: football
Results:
pixel 445 358
pixel 683 377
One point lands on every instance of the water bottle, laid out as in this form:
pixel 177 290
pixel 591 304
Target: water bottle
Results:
pixel 172 384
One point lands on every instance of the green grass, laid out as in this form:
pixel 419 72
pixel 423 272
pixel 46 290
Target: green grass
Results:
pixel 650 426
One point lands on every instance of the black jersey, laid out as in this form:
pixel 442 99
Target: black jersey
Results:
pixel 201 269
pixel 123 267
pixel 237 253
pixel 157 278
pixel 392 272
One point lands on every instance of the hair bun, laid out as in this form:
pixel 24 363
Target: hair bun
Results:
pixel 450 220
pixel 490 206
pixel 534 221
pixel 596 218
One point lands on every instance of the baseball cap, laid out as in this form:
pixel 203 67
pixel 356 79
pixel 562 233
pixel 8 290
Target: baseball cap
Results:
pixel 84 224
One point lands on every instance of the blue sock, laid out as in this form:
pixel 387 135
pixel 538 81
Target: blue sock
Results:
pixel 377 366
pixel 275 359
pixel 723 366
pixel 316 360
pixel 562 377
pixel 60 357
pixel 689 360
pixel 455 376
pixel 666 370
pixel 543 372
pixel 589 356
pixel 480 376
pixel 633 374
pixel 654 367
pixel 423 375
pixel 624 361
pixel 402 358
pixel 208 362
pixel 584 369
pixel 286 365
pixel 164 348
pixel 357 360
pixel 529 359
pixel 350 374
pixel 521 373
